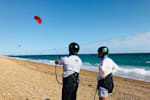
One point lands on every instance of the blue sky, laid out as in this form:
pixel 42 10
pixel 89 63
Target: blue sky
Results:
pixel 91 23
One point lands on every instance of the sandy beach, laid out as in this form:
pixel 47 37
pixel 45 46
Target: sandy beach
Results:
pixel 25 80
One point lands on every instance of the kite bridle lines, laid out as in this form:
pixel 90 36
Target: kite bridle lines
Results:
pixel 56 76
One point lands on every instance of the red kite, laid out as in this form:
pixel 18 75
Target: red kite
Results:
pixel 38 19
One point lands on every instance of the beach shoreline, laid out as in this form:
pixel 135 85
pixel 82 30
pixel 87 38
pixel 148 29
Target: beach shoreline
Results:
pixel 36 81
pixel 138 71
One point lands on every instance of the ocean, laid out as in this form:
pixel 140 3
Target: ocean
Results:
pixel 132 65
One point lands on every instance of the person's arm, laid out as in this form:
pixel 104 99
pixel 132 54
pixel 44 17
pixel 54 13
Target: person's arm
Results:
pixel 59 61
pixel 104 71
pixel 115 67
pixel 106 68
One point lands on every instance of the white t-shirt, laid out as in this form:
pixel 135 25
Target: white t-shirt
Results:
pixel 106 67
pixel 71 65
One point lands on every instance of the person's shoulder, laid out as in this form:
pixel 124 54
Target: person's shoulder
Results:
pixel 108 59
pixel 64 58
pixel 75 57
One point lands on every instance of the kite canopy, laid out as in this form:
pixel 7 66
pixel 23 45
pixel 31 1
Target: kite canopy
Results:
pixel 38 19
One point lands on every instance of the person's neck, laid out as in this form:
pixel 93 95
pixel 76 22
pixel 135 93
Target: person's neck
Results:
pixel 72 55
pixel 105 56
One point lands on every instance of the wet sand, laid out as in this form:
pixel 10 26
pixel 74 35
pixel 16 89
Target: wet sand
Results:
pixel 22 80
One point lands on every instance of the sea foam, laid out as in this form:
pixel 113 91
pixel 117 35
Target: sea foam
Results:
pixel 124 71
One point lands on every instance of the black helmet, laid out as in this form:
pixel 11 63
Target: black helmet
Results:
pixel 73 48
pixel 104 50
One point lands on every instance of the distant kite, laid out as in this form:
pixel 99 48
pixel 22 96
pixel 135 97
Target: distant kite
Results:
pixel 38 19
pixel 19 46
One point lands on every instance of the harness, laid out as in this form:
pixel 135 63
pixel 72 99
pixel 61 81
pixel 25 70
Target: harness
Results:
pixel 106 83
pixel 75 78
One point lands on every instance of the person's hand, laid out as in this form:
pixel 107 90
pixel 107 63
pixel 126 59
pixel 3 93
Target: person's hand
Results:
pixel 57 61
pixel 104 76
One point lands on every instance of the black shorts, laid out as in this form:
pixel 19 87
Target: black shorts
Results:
pixel 107 83
pixel 70 86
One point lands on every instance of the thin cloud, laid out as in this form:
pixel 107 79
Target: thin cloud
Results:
pixel 132 43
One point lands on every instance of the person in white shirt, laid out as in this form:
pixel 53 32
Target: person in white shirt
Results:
pixel 106 69
pixel 71 69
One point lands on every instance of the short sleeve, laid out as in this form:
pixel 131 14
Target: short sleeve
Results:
pixel 61 61
pixel 104 68
pixel 115 67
